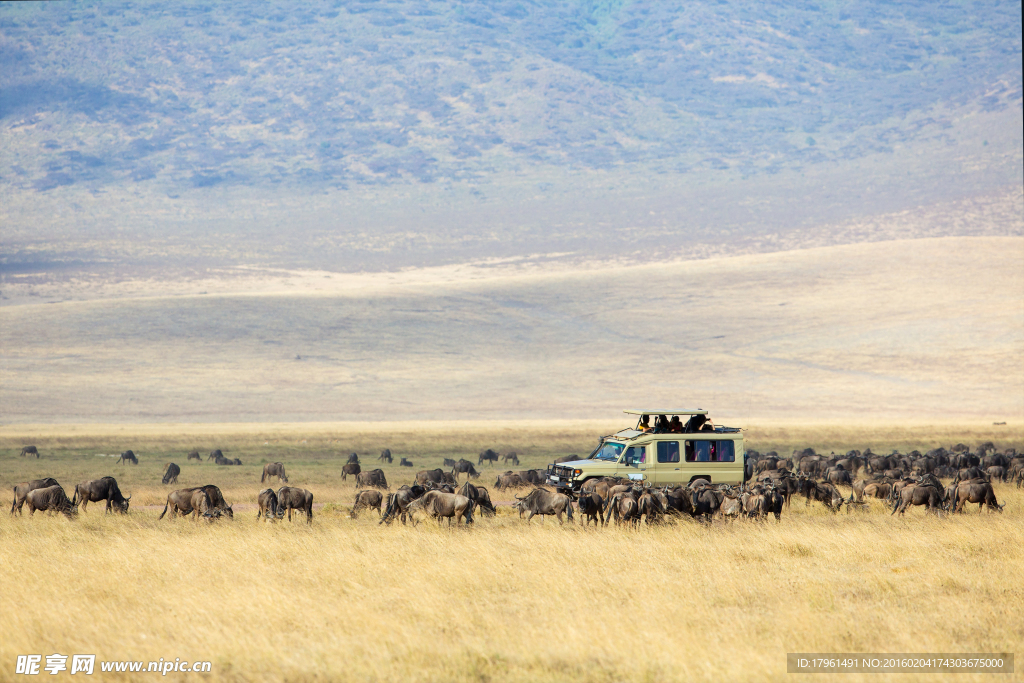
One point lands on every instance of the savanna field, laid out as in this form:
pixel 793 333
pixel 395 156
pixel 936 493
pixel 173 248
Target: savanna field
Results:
pixel 349 599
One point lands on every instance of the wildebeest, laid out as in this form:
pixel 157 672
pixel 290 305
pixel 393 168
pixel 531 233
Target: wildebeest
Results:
pixel 274 469
pixel 385 456
pixel 465 467
pixel 591 507
pixel 353 459
pixel 268 505
pixel 171 472
pixel 704 502
pixel 649 507
pixel 30 450
pixel 227 461
pixel 566 458
pixel 405 463
pixel 437 476
pixel 215 454
pixel 535 477
pixel 488 455
pixel 367 499
pixel 544 502
pixel 180 501
pixel 976 491
pixel 22 490
pixel 824 493
pixel 918 494
pixel 510 457
pixel 479 495
pixel 509 480
pixel 442 505
pixel 448 462
pixel 622 508
pixel 128 457
pixel 348 468
pixel 374 478
pixel 291 498
pixel 398 503
pixel 50 499
pixel 194 455
pixel 96 490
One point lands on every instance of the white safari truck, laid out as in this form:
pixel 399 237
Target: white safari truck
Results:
pixel 665 447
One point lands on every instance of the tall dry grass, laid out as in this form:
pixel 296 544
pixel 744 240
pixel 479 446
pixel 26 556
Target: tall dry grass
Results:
pixel 347 599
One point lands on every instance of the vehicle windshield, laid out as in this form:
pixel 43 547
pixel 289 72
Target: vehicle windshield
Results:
pixel 608 451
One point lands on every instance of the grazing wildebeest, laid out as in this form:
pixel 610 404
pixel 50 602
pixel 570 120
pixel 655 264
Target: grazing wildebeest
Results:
pixel 30 450
pixel 180 501
pixel 348 468
pixel 488 455
pixel 405 463
pixel 367 499
pixel 274 469
pixel 976 491
pixel 448 462
pixel 592 508
pixel 23 489
pixel 385 455
pixel 374 478
pixel 544 502
pixel 127 457
pixel 464 467
pixel 100 489
pixel 731 506
pixel 479 495
pixel 919 494
pixel 398 503
pixel 510 457
pixel 996 473
pixel 442 505
pixel 353 459
pixel 200 502
pixel 194 455
pixel 824 493
pixel 509 480
pixel 291 498
pixel 171 472
pixel 268 505
pixel 215 454
pixel 50 499
pixel 838 476
pixel 227 461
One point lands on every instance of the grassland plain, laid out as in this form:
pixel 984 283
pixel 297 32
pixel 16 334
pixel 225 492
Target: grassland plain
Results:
pixel 902 329
pixel 347 599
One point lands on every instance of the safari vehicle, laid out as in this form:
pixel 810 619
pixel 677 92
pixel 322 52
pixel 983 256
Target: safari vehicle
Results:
pixel 658 457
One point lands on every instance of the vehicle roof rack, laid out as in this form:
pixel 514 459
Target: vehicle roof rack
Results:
pixel 665 412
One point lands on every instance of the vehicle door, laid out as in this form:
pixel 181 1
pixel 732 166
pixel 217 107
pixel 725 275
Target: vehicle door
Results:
pixel 666 459
pixel 634 461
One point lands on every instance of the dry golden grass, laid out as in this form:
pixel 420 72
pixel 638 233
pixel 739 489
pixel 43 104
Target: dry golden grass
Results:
pixel 504 601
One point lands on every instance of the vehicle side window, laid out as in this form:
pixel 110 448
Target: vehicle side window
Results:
pixel 710 451
pixel 726 451
pixel 668 451
pixel 636 455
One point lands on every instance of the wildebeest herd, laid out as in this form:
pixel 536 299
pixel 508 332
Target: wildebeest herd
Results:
pixel 898 480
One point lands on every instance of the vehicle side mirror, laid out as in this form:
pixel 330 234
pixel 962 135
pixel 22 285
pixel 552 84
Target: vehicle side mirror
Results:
pixel 629 461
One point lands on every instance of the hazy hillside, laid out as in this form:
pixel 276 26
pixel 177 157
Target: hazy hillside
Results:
pixel 390 133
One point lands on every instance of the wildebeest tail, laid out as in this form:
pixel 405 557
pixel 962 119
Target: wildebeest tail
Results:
pixel 14 504
pixel 165 509
pixel 74 498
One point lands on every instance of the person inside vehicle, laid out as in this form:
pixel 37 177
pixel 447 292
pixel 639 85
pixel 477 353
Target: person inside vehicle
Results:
pixel 645 424
pixel 699 423
pixel 660 424
pixel 675 426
